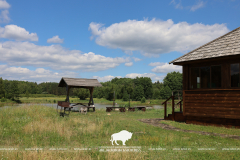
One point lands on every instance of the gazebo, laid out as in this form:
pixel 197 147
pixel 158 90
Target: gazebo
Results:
pixel 78 83
pixel 211 83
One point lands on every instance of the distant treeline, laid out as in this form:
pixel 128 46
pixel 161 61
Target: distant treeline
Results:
pixel 137 88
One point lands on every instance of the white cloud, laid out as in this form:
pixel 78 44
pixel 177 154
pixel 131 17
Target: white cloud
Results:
pixel 200 4
pixel 39 75
pixel 55 39
pixel 165 67
pixel 136 59
pixel 129 64
pixel 4 4
pixel 55 57
pixel 4 18
pixel 156 36
pixel 105 78
pixel 17 33
pixel 153 76
pixel 178 5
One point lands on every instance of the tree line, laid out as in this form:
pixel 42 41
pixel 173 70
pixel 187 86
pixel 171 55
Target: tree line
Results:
pixel 121 88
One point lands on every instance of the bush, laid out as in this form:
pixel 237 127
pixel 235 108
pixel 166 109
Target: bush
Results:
pixel 54 101
pixel 3 100
pixel 143 100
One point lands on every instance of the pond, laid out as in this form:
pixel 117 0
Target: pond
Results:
pixel 98 106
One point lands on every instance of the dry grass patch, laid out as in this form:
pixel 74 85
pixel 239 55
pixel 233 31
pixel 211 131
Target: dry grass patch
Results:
pixel 47 125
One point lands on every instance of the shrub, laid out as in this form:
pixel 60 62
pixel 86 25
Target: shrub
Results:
pixel 143 100
pixel 54 101
pixel 3 100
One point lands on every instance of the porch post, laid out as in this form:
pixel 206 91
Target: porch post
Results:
pixel 173 116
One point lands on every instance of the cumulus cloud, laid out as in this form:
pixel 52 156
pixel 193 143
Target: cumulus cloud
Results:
pixel 165 67
pixel 4 6
pixel 55 39
pixel 136 59
pixel 55 57
pixel 155 36
pixel 15 32
pixel 39 75
pixel 129 64
pixel 105 78
pixel 200 4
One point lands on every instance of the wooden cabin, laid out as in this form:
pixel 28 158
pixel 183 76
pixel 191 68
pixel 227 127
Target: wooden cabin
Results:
pixel 211 82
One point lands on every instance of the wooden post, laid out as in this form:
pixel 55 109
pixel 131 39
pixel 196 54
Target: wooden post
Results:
pixel 165 110
pixel 180 106
pixel 173 117
pixel 67 88
pixel 91 92
pixel 113 98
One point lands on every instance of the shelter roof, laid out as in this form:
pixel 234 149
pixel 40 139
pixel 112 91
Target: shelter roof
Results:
pixel 226 45
pixel 79 82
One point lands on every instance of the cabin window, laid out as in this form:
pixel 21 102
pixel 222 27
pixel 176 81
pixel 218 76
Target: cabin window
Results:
pixel 235 75
pixel 195 77
pixel 216 76
pixel 205 77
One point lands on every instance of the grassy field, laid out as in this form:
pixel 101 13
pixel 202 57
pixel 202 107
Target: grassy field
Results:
pixel 76 100
pixel 36 126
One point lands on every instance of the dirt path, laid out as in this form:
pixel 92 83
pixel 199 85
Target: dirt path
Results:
pixel 156 122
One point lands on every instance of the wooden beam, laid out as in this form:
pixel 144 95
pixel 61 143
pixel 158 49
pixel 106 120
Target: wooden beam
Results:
pixel 91 93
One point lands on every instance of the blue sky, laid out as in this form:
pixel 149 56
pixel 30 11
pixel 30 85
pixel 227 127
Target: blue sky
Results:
pixel 42 41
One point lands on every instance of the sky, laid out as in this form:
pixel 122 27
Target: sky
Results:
pixel 43 41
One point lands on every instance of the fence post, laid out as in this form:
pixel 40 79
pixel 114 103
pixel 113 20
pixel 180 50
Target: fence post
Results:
pixel 173 117
pixel 165 110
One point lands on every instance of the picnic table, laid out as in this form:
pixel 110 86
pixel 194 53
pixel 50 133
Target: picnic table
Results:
pixel 65 107
pixel 143 108
pixel 121 109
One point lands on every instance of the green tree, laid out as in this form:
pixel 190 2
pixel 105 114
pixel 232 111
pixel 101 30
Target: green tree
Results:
pixel 27 94
pixel 125 96
pixel 138 93
pixel 2 90
pixel 165 92
pixel 83 93
pixel 156 94
pixel 174 81
pixel 143 100
pixel 15 93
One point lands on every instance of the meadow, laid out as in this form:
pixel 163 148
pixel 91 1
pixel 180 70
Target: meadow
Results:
pixel 34 126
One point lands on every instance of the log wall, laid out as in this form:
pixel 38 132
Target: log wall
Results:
pixel 221 103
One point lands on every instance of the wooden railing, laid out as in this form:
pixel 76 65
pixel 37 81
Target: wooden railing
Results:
pixel 165 106
pixel 180 102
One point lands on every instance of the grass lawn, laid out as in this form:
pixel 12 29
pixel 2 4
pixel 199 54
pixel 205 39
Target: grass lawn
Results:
pixel 38 126
pixel 76 100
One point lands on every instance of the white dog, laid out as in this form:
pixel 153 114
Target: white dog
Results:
pixel 83 110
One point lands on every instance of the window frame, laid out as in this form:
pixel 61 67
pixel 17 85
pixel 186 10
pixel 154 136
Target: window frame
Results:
pixel 230 80
pixel 199 69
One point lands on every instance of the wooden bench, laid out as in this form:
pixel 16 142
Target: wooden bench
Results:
pixel 121 109
pixel 143 108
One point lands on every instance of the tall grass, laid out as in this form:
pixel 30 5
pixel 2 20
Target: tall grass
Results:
pixel 39 126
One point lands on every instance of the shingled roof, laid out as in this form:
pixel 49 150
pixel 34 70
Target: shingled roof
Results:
pixel 79 82
pixel 228 44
